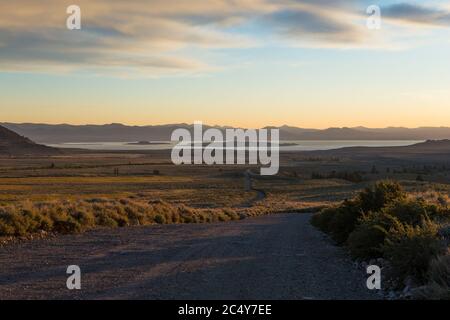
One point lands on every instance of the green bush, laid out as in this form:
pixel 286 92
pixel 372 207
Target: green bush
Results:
pixel 366 241
pixel 410 211
pixel 381 195
pixel 344 221
pixel 410 249
pixel 341 221
pixel 382 222
pixel 322 219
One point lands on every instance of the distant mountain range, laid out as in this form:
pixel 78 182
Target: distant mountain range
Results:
pixel 46 133
pixel 13 144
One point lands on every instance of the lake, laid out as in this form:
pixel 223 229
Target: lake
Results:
pixel 289 145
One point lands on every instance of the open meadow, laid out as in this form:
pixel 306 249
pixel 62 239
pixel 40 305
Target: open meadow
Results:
pixel 80 180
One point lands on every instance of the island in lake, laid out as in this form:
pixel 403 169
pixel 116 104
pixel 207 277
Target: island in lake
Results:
pixel 146 143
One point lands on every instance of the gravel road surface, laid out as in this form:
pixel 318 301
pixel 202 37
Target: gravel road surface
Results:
pixel 271 257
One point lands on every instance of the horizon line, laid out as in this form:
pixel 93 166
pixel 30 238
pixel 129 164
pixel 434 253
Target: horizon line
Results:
pixel 218 125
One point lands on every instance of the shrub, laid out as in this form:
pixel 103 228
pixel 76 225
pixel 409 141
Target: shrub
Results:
pixel 366 241
pixel 231 213
pixel 69 216
pixel 410 211
pixel 85 219
pixel 382 194
pixel 443 215
pixel 17 222
pixel 6 227
pixel 134 216
pixel 443 201
pixel 160 219
pixel 410 249
pixel 174 218
pixel 382 222
pixel 66 226
pixel 44 223
pixel 444 232
pixel 438 286
pixel 341 221
pixel 222 217
pixel 322 219
pixel 344 221
pixel 105 220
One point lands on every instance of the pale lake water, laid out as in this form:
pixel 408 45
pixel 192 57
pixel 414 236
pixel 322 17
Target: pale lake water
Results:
pixel 284 145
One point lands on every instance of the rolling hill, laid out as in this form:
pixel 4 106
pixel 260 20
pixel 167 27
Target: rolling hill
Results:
pixel 13 144
pixel 434 151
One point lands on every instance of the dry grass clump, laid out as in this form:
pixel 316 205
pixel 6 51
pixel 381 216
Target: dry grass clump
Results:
pixel 438 286
pixel 76 216
pixel 73 216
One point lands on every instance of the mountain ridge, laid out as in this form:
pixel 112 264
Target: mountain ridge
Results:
pixel 117 132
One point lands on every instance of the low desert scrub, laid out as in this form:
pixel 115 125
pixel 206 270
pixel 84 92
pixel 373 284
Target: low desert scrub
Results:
pixel 386 222
pixel 410 249
pixel 340 221
pixel 343 220
pixel 74 216
pixel 438 286
pixel 322 219
pixel 381 195
pixel 411 211
pixel 366 241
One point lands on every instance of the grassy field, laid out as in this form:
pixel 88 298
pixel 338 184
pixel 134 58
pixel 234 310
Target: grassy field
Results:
pixel 304 183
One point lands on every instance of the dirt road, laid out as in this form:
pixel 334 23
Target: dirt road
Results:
pixel 271 257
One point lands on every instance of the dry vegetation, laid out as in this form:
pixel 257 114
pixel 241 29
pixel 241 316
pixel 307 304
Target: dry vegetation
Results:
pixel 408 231
pixel 70 216
pixel 74 194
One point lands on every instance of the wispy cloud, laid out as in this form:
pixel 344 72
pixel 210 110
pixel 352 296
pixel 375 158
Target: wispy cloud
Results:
pixel 418 14
pixel 160 36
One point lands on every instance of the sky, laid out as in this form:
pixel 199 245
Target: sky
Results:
pixel 246 63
